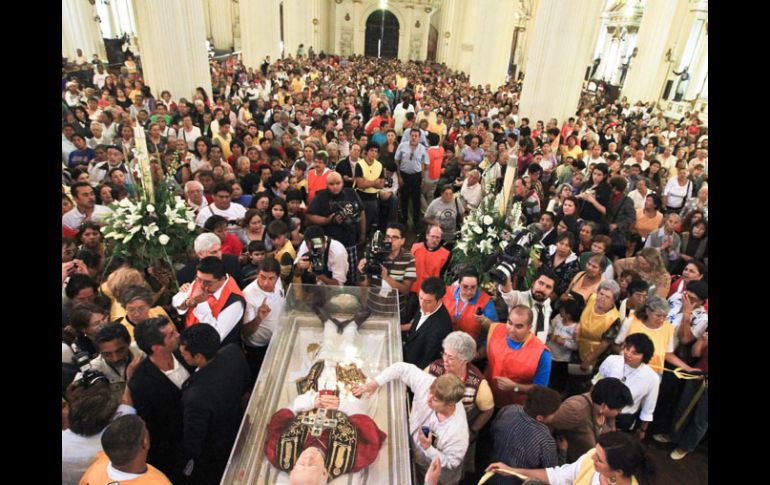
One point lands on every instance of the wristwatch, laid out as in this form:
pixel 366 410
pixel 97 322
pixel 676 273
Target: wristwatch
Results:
pixel 515 388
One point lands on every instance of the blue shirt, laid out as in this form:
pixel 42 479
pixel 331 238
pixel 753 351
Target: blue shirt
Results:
pixel 379 138
pixel 406 135
pixel 412 159
pixel 543 374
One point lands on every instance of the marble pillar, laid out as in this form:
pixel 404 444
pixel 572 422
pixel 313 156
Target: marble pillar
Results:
pixel 661 22
pixel 556 65
pixel 260 31
pixel 172 39
pixel 447 37
pixel 492 46
pixel 298 26
pixel 80 31
pixel 221 18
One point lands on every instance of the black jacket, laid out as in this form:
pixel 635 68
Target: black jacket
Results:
pixel 159 402
pixel 212 412
pixel 623 214
pixel 423 346
pixel 188 273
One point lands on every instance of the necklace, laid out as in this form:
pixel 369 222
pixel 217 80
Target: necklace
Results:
pixel 632 373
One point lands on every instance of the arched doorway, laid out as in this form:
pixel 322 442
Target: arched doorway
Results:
pixel 381 35
pixel 432 43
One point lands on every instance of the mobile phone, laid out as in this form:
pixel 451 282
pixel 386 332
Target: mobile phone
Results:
pixel 425 431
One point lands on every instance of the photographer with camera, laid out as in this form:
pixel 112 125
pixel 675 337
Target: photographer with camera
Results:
pixel 321 259
pixel 387 266
pixel 340 212
pixel 537 298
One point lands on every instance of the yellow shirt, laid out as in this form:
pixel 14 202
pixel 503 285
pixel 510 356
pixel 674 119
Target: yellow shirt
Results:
pixel 593 326
pixel 661 337
pixel 645 225
pixel 575 153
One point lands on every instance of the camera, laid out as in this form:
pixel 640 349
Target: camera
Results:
pixel 316 256
pixel 513 257
pixel 89 376
pixel 388 182
pixel 376 254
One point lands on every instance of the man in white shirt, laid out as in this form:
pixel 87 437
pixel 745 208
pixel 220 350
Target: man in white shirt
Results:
pixel 595 156
pixel 637 158
pixel 264 304
pixel 214 299
pixel 471 190
pixel 640 193
pixel 537 298
pixel 667 159
pixel 222 206
pixel 435 410
pixel 193 195
pixel 86 209
pixel 333 254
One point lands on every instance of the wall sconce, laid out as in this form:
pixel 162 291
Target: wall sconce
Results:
pixel 347 17
pixel 417 24
pixel 428 10
pixel 315 22
pixel 447 35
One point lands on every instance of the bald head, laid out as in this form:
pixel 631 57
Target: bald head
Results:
pixel 334 183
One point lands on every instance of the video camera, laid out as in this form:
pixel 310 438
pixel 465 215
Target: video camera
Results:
pixel 515 255
pixel 377 254
pixel 89 376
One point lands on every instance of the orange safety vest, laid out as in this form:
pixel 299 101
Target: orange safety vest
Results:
pixel 519 366
pixel 463 317
pixel 427 263
pixel 230 288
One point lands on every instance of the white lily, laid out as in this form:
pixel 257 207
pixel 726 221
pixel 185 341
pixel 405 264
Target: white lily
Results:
pixel 163 239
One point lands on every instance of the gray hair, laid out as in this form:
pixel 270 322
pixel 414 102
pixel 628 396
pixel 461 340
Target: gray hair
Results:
pixel 331 145
pixel 657 304
pixel 610 285
pixel 192 184
pixel 135 292
pixel 462 343
pixel 205 241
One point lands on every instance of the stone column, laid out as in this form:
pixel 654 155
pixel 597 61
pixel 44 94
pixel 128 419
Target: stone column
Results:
pixel 220 13
pixel 172 39
pixel 492 45
pixel 405 34
pixel 658 31
pixel 298 25
pixel 555 69
pixel 260 31
pixel 698 69
pixel 447 37
pixel 80 31
pixel 207 16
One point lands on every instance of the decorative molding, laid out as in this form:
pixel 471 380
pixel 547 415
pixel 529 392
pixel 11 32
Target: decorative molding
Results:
pixel 467 47
pixel 316 22
pixel 447 35
pixel 428 10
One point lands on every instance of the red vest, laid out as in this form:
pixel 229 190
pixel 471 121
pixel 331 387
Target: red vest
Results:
pixel 428 263
pixel 230 288
pixel 466 321
pixel 519 366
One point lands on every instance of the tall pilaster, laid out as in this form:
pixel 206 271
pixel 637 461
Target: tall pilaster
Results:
pixel 221 18
pixel 172 39
pixel 492 46
pixel 555 70
pixel 299 27
pixel 447 38
pixel 256 43
pixel 80 31
pixel 661 22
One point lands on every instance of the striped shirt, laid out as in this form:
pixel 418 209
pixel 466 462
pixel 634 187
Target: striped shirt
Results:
pixel 382 300
pixel 521 441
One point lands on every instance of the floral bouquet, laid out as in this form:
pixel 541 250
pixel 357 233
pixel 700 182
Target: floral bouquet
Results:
pixel 156 229
pixel 486 231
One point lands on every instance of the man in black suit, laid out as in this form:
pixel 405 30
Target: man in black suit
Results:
pixel 422 343
pixel 208 244
pixel 548 224
pixel 211 403
pixel 156 391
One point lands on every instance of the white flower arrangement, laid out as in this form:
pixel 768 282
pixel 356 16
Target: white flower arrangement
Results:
pixel 485 231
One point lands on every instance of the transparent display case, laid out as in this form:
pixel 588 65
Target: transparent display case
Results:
pixel 329 324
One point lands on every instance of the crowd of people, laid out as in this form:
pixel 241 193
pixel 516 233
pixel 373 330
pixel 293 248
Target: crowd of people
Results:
pixel 294 170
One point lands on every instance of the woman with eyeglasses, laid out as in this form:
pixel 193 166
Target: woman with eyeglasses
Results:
pixel 651 321
pixel 85 320
pixel 459 351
